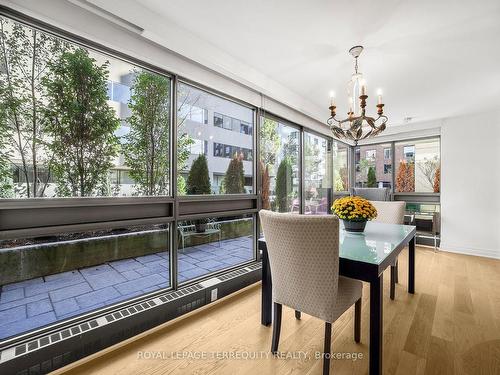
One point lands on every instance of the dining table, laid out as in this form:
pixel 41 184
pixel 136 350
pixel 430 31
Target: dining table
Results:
pixel 362 256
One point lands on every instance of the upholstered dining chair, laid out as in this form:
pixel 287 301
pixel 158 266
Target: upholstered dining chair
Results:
pixel 391 213
pixel 304 260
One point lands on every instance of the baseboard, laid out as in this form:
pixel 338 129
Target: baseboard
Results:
pixel 487 253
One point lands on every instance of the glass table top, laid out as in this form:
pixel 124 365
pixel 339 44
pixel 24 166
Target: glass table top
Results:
pixel 375 243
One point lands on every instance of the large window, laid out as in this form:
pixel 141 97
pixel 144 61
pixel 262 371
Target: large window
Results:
pixel 229 144
pixel 373 165
pixel 279 166
pixel 121 125
pixel 317 174
pixel 78 123
pixel 212 244
pixel 418 166
pixel 48 279
pixel 340 166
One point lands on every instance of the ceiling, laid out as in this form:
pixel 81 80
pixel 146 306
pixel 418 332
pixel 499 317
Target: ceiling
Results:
pixel 433 59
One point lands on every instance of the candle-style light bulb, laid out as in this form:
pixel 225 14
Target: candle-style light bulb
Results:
pixel 363 87
pixel 332 98
pixel 379 93
pixel 350 104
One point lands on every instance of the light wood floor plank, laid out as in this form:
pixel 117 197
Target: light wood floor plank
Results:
pixel 450 326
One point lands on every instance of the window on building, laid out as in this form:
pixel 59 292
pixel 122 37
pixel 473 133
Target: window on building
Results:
pixel 318 160
pixel 227 147
pixel 387 153
pixel 198 147
pixel 418 166
pixel 245 128
pixel 371 155
pixel 409 153
pixel 227 123
pixel 218 120
pixel 228 151
pixel 121 93
pixel 387 168
pixel 279 160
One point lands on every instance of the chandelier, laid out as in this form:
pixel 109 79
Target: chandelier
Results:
pixel 357 125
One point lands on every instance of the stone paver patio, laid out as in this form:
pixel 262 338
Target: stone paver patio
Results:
pixel 34 303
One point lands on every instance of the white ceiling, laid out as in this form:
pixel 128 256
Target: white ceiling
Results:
pixel 432 58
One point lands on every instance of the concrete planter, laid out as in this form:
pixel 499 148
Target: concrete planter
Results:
pixel 229 229
pixel 27 262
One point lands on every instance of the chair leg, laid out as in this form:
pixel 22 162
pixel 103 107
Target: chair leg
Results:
pixel 327 349
pixel 393 281
pixel 276 327
pixel 297 315
pixel 357 321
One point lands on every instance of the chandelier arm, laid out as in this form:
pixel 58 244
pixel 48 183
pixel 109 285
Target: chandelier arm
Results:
pixel 367 134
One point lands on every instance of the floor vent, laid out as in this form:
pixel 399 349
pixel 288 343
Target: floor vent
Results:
pixel 233 274
pixel 255 266
pixel 191 306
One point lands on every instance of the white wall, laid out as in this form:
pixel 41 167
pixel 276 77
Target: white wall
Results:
pixel 470 184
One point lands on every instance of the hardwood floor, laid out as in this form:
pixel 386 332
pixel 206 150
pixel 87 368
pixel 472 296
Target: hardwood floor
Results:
pixel 450 326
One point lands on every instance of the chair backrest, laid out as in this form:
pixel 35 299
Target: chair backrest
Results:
pixel 304 259
pixel 390 212
pixel 373 194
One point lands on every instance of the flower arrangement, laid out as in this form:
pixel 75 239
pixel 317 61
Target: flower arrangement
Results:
pixel 354 209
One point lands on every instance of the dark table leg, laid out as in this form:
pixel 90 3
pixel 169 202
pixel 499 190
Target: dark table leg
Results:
pixel 411 266
pixel 266 307
pixel 376 325
pixel 393 282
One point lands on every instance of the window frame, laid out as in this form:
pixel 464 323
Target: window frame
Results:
pixel 162 209
pixel 409 197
